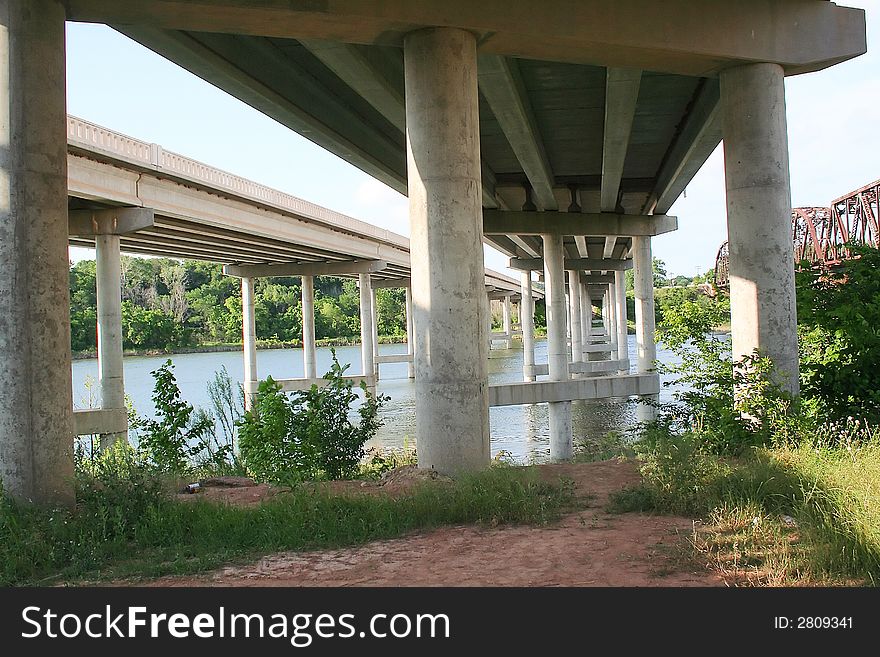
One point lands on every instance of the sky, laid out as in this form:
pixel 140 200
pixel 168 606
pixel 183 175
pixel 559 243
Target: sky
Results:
pixel 833 124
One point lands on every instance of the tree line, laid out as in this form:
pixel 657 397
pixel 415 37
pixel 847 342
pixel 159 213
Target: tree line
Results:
pixel 167 304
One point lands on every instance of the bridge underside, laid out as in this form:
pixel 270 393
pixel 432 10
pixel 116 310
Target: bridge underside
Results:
pixel 557 133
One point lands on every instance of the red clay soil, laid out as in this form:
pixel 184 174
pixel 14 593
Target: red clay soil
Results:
pixel 587 548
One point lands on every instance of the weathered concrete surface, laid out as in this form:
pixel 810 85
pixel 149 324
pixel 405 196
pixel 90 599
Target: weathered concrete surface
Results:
pixel 410 350
pixel 762 294
pixel 366 311
pixel 249 340
pixel 574 298
pixel 646 346
pixel 445 207
pixel 557 344
pixel 620 314
pixel 36 413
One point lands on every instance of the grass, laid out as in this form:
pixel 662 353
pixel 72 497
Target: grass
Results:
pixel 807 514
pixel 124 527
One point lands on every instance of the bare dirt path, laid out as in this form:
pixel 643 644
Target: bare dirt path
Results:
pixel 587 548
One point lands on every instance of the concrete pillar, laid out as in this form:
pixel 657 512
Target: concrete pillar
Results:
pixel 527 323
pixel 367 330
pixel 557 347
pixel 505 320
pixel 448 272
pixel 375 307
pixel 620 315
pixel 646 347
pixel 611 302
pixel 762 294
pixel 310 360
pixel 108 277
pixel 411 368
pixel 36 409
pixel 574 297
pixel 249 340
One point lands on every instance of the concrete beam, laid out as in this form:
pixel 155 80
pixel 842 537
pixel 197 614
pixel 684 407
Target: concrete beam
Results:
pixel 305 269
pixel 394 358
pixel 699 136
pixel 112 221
pixel 581 243
pixel 503 88
pixel 390 283
pixel 675 36
pixel 100 421
pixel 621 95
pixel 587 367
pixel 293 385
pixel 578 264
pixel 601 387
pixel 521 222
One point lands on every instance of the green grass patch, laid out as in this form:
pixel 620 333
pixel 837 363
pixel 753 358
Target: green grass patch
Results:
pixel 125 528
pixel 780 515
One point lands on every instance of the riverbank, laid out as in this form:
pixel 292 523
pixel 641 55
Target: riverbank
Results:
pixel 237 346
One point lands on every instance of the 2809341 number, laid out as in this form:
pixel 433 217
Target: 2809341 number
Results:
pixel 824 622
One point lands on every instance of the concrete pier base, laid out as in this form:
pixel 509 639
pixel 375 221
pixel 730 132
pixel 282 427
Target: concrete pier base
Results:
pixel 36 409
pixel 762 294
pixel 448 272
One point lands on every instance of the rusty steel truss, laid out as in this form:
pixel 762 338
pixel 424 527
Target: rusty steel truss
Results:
pixel 821 235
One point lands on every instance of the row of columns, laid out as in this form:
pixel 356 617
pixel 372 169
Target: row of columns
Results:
pixel 444 182
pixel 369 331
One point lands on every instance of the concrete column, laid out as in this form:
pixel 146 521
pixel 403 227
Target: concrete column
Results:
pixel 762 294
pixel 505 320
pixel 108 277
pixel 577 336
pixel 36 409
pixel 411 368
pixel 557 347
pixel 448 272
pixel 527 323
pixel 611 302
pixel 620 315
pixel 367 330
pixel 375 309
pixel 249 340
pixel 646 347
pixel 310 361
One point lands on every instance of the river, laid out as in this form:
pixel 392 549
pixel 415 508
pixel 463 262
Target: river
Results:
pixel 521 431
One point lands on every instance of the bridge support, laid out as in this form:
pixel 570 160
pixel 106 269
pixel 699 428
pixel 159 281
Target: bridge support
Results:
pixel 557 347
pixel 108 277
pixel 368 366
pixel 448 275
pixel 762 294
pixel 620 314
pixel 505 320
pixel 527 323
pixel 574 299
pixel 646 347
pixel 374 338
pixel 310 361
pixel 249 341
pixel 36 410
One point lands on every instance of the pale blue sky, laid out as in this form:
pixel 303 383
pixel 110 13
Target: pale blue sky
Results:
pixel 833 120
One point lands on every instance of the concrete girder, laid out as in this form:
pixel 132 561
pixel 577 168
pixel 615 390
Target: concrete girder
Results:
pixel 621 96
pixel 579 264
pixel 112 221
pixel 521 222
pixel 305 269
pixel 502 86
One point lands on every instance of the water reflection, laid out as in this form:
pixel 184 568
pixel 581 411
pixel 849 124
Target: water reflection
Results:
pixel 521 431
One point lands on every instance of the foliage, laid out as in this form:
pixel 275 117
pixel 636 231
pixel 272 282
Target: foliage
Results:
pixel 180 434
pixel 308 435
pixel 169 304
pixel 839 316
pixel 102 539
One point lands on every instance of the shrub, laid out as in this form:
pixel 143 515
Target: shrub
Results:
pixel 308 435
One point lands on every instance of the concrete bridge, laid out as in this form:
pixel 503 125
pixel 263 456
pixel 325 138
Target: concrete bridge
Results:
pixel 562 133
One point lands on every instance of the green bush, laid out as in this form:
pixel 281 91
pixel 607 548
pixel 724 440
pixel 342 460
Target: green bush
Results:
pixel 308 435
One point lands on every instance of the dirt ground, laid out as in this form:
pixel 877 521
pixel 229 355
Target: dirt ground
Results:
pixel 587 548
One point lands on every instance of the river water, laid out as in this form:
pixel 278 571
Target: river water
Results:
pixel 521 431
